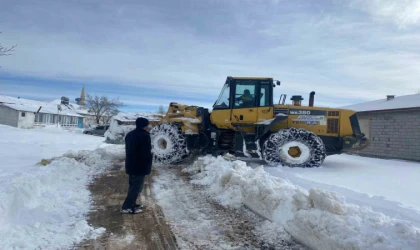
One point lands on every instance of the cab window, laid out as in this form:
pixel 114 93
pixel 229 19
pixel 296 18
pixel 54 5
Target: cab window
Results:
pixel 223 100
pixel 265 95
pixel 245 94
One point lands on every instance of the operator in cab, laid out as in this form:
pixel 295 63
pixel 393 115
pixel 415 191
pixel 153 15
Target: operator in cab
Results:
pixel 247 99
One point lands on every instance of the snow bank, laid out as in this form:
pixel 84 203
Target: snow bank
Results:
pixel 127 117
pixel 317 218
pixel 116 132
pixel 364 176
pixel 45 207
pixel 123 123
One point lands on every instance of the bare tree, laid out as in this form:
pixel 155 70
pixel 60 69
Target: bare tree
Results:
pixel 4 51
pixel 102 107
pixel 161 110
pixel 106 118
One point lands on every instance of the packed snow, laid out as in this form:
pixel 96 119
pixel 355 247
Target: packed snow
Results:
pixel 199 222
pixel 245 150
pixel 116 132
pixel 303 157
pixel 387 186
pixel 318 218
pixel 264 121
pixel 43 206
pixel 123 123
pixel 131 117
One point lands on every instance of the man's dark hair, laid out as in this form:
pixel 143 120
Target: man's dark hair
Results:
pixel 142 122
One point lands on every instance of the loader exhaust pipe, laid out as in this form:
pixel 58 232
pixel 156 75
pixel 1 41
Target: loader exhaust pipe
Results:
pixel 311 99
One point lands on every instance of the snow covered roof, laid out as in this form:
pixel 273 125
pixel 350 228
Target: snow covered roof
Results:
pixel 127 117
pixel 398 102
pixel 75 107
pixel 33 106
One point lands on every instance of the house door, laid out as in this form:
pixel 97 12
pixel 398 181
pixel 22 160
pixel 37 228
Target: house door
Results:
pixel 80 122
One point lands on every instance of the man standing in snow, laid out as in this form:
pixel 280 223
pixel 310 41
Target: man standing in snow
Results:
pixel 138 163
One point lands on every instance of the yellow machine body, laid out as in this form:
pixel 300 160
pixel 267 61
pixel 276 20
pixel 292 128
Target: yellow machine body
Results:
pixel 321 121
pixel 245 113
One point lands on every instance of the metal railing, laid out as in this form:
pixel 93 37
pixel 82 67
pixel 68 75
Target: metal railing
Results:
pixel 42 124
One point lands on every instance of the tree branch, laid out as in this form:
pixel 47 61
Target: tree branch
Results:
pixel 7 51
pixel 102 107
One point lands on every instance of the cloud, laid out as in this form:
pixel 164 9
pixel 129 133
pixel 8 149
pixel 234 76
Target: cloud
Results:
pixel 159 51
pixel 403 13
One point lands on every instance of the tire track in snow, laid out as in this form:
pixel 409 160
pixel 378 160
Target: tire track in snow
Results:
pixel 200 222
pixel 147 230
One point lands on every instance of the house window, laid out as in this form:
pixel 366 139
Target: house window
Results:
pixel 38 118
pixel 47 119
pixel 23 114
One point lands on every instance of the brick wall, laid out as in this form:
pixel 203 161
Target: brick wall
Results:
pixel 9 116
pixel 393 135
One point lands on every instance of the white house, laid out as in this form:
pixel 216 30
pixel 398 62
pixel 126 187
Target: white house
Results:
pixel 24 113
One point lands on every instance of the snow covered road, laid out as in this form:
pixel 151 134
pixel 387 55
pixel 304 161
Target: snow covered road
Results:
pixel 317 218
pixel 350 202
pixel 200 222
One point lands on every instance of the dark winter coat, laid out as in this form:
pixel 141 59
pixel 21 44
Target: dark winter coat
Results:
pixel 138 153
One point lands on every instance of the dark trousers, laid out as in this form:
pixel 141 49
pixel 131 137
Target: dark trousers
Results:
pixel 136 183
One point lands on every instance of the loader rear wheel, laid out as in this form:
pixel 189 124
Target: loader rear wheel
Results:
pixel 294 148
pixel 168 144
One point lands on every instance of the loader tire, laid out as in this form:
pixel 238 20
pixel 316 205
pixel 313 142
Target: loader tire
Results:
pixel 294 147
pixel 168 144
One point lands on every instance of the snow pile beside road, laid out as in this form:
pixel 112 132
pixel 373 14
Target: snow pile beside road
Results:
pixel 316 218
pixel 365 182
pixel 45 207
pixel 123 123
pixel 128 117
pixel 116 132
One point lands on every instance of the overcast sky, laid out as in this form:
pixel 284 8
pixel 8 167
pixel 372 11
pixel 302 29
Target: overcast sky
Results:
pixel 152 52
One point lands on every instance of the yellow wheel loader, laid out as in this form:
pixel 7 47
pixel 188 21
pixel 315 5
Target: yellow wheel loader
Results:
pixel 245 120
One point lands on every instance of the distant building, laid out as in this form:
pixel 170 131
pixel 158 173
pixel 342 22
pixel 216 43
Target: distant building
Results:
pixel 392 126
pixel 24 113
pixel 82 99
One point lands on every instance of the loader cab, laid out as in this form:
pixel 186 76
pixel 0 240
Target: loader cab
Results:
pixel 243 100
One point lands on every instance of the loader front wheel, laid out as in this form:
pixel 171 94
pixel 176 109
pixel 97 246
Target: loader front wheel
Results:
pixel 294 148
pixel 168 144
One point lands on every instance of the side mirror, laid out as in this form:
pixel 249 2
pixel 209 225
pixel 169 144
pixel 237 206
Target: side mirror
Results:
pixel 278 83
